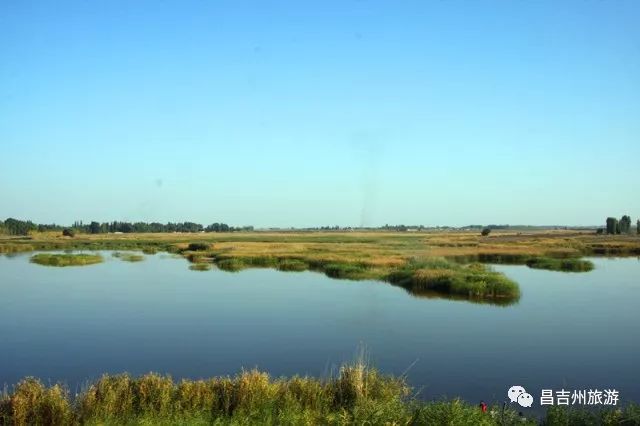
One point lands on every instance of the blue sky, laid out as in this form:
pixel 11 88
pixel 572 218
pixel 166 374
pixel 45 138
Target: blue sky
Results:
pixel 304 113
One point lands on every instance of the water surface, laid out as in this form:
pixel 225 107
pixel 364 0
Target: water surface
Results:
pixel 72 324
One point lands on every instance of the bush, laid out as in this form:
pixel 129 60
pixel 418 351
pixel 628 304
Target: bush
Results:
pixel 198 246
pixel 485 232
pixel 67 232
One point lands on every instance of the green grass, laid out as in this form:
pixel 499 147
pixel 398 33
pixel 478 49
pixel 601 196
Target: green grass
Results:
pixel 563 416
pixel 49 259
pixel 128 257
pixel 15 248
pixel 346 271
pixel 558 261
pixel 474 281
pixel 565 265
pixel 356 395
pixel 231 265
pixel 382 256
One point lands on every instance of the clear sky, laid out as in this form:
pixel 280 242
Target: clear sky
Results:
pixel 300 113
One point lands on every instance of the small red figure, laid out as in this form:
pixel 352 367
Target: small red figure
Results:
pixel 483 406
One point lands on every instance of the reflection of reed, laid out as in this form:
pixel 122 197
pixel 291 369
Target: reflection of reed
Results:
pixel 498 301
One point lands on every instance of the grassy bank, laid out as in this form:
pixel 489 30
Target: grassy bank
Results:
pixel 49 259
pixel 357 395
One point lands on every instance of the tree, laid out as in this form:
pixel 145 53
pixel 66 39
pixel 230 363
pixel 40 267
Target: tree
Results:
pixel 485 232
pixel 625 224
pixel 612 225
pixel 19 227
pixel 68 232
pixel 638 227
pixel 94 228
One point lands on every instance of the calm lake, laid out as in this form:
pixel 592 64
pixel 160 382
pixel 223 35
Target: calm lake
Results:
pixel 569 330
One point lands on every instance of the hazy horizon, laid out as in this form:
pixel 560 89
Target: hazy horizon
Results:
pixel 279 114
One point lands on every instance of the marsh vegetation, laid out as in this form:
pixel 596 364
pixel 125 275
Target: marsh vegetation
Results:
pixel 356 395
pixel 422 263
pixel 253 318
pixel 50 259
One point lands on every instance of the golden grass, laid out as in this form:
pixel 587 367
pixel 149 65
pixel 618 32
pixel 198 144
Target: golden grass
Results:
pixel 357 395
pixel 374 249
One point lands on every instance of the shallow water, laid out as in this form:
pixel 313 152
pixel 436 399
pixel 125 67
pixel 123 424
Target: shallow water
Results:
pixel 571 331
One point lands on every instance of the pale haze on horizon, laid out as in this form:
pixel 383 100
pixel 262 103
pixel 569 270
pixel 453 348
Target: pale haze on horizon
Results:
pixel 351 113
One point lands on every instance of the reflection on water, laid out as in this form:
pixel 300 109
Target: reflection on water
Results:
pixel 497 301
pixel 73 324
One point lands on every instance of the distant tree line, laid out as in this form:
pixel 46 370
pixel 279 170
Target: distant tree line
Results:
pixel 23 227
pixel 622 226
pixel 402 228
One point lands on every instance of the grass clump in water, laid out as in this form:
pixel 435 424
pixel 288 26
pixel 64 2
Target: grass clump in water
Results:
pixel 49 259
pixel 439 275
pixel 231 265
pixel 555 260
pixel 128 257
pixel 566 265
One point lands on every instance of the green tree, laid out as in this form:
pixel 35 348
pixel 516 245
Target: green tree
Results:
pixel 625 224
pixel 612 225
pixel 94 228
pixel 19 227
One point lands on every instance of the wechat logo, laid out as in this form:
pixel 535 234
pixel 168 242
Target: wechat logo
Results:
pixel 519 394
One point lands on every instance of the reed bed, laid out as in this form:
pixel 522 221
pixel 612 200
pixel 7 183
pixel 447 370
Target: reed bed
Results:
pixel 356 395
pixel 49 259
pixel 475 281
